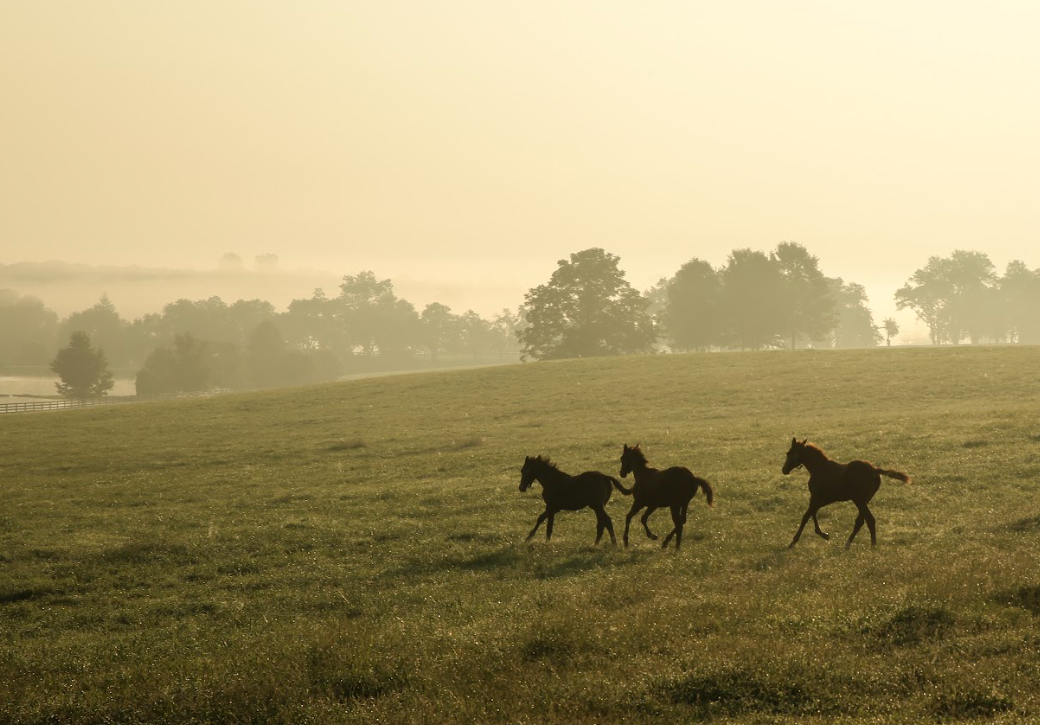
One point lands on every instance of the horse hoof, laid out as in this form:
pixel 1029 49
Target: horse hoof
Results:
pixel 653 537
pixel 826 536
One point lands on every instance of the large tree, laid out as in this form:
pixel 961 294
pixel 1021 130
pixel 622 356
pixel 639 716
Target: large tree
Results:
pixel 855 322
pixel 311 324
pixel 83 369
pixel 1020 292
pixel 586 309
pixel 28 330
pixel 955 296
pixel 180 368
pixel 691 309
pixel 374 318
pixel 440 330
pixel 106 329
pixel 751 301
pixel 808 307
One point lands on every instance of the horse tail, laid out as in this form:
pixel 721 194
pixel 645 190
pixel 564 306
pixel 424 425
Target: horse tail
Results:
pixel 709 493
pixel 619 487
pixel 898 475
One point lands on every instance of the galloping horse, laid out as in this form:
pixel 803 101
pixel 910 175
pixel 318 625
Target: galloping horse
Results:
pixel 654 489
pixel 561 492
pixel 830 481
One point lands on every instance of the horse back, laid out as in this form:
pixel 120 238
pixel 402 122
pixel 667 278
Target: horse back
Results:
pixel 584 489
pixel 852 481
pixel 670 486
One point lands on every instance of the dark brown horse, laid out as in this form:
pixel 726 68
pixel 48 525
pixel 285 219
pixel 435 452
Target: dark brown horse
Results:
pixel 672 488
pixel 563 492
pixel 830 481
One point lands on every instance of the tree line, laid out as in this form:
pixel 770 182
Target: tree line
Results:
pixel 756 300
pixel 760 300
pixel 204 344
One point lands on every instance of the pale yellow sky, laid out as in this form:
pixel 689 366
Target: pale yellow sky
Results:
pixel 479 142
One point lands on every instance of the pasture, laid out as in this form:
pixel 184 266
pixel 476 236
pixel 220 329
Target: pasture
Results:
pixel 354 552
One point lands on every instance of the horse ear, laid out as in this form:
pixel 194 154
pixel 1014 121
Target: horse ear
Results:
pixel 794 441
pixel 804 441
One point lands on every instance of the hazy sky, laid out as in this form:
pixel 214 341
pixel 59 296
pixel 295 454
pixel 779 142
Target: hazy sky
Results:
pixel 479 142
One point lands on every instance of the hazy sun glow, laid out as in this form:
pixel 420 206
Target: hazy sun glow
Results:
pixel 476 143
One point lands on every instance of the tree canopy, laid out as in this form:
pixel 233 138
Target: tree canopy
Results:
pixel 83 370
pixel 587 308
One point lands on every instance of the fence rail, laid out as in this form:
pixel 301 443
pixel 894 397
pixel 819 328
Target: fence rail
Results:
pixel 38 405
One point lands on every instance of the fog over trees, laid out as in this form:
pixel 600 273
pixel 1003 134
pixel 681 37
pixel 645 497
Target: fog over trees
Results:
pixel 961 297
pixel 756 300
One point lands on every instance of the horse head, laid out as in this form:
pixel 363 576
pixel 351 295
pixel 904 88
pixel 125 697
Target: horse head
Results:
pixel 794 455
pixel 527 474
pixel 630 458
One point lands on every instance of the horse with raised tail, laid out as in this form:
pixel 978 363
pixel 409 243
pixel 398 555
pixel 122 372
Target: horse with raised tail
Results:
pixel 830 481
pixel 563 492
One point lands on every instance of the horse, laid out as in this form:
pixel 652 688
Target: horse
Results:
pixel 654 489
pixel 830 481
pixel 563 492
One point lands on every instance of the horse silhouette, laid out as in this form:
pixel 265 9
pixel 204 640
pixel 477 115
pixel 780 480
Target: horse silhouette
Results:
pixel 830 481
pixel 672 488
pixel 563 492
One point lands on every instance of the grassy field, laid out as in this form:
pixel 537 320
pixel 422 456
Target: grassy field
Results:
pixel 354 553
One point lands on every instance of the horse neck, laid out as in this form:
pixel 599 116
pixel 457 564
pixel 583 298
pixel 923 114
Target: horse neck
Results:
pixel 549 476
pixel 814 459
pixel 643 471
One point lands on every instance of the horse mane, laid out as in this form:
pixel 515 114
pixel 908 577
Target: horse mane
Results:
pixel 638 453
pixel 545 461
pixel 815 450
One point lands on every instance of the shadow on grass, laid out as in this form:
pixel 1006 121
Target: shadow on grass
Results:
pixel 738 692
pixel 487 561
pixel 591 559
pixel 970 704
pixel 147 553
pixel 1025 597
pixel 1031 523
pixel 11 596
pixel 345 445
pixel 915 625
pixel 460 444
pixel 556 645
pixel 467 537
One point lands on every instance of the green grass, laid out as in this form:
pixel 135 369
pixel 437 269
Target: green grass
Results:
pixel 354 552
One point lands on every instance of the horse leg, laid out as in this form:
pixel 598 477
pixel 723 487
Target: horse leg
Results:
pixel 543 517
pixel 628 519
pixel 601 525
pixel 864 516
pixel 809 513
pixel 677 521
pixel 855 529
pixel 819 531
pixel 549 526
pixel 871 524
pixel 650 534
pixel 609 526
pixel 603 521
